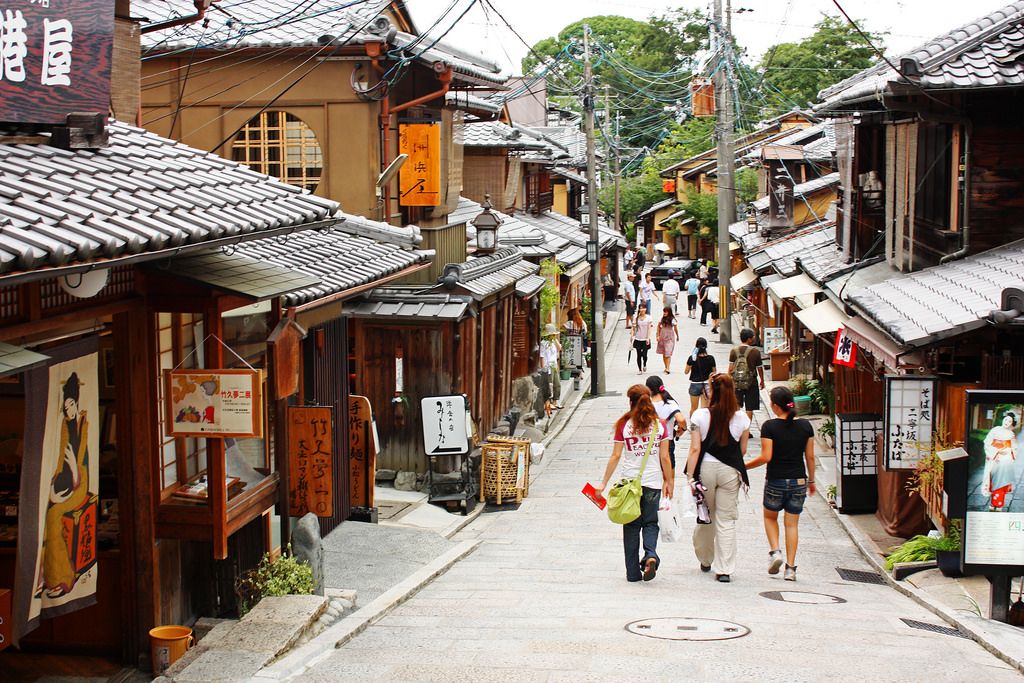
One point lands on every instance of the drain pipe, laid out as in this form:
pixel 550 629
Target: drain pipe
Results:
pixel 965 220
pixel 201 7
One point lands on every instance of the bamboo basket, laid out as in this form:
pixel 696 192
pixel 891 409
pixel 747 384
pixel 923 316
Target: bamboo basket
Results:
pixel 504 469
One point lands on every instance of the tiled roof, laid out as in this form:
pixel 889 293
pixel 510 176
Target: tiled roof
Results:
pixel 657 206
pixel 817 143
pixel 783 253
pixel 554 148
pixel 406 304
pixel 572 139
pixel 235 24
pixel 460 99
pixel 498 134
pixel 942 301
pixel 139 196
pixel 484 276
pixel 356 252
pixel 570 175
pixel 984 53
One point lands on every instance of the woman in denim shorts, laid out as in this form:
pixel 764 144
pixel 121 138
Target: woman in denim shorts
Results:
pixel 786 443
pixel 700 365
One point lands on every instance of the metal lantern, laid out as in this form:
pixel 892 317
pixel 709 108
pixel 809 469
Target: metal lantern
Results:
pixel 486 225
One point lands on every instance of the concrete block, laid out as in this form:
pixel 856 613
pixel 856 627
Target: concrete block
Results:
pixel 222 666
pixel 295 610
pixel 405 481
pixel 343 593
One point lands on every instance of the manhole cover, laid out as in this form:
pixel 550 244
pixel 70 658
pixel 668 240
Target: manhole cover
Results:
pixel 803 597
pixel 687 628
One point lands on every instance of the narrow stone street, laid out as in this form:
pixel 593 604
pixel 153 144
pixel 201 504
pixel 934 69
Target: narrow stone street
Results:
pixel 544 597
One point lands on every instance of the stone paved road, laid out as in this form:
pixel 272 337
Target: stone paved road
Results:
pixel 544 597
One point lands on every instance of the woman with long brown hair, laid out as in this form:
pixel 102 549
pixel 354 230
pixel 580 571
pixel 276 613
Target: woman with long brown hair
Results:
pixel 718 442
pixel 633 433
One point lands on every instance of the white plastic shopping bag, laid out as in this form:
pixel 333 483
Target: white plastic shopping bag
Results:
pixel 668 521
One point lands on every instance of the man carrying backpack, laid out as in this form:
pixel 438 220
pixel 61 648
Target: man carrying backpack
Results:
pixel 747 373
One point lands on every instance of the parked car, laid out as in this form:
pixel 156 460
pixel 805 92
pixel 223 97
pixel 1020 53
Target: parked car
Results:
pixel 683 268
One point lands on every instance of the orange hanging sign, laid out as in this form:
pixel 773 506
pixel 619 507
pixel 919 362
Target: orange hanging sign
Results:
pixel 419 181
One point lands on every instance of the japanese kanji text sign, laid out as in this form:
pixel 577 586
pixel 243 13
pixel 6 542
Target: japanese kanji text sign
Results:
pixel 420 177
pixel 775 339
pixel 572 351
pixel 362 451
pixel 54 59
pixel 310 461
pixel 444 425
pixel 846 350
pixel 214 403
pixel 909 420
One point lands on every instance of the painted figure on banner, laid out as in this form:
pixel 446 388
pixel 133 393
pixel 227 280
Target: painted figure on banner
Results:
pixel 1000 474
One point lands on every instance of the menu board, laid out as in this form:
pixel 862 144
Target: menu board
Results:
pixel 214 403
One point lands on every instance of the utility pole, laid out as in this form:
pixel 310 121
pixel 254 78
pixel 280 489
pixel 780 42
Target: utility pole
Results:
pixel 614 151
pixel 726 167
pixel 597 386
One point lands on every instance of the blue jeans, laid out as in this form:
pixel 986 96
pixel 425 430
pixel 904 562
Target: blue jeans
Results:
pixel 646 525
pixel 785 494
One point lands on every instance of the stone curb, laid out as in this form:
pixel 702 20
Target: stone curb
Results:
pixel 970 625
pixel 300 659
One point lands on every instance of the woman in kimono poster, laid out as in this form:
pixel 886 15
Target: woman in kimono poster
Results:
pixel 995 448
pixel 62 538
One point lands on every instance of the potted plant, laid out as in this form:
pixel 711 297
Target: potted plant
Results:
pixel 827 432
pixel 947 550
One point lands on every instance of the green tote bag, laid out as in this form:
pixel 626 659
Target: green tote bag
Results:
pixel 624 496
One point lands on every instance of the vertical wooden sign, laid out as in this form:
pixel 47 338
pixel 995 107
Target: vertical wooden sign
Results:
pixel 420 177
pixel 310 461
pixel 362 450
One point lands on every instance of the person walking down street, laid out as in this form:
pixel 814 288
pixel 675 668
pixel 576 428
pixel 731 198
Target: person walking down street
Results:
pixel 702 271
pixel 692 285
pixel 647 292
pixel 718 442
pixel 670 291
pixel 786 443
pixel 627 259
pixel 550 351
pixel 640 335
pixel 639 261
pixel 708 296
pixel 700 365
pixel 668 335
pixel 633 432
pixel 629 294
pixel 669 411
pixel 747 372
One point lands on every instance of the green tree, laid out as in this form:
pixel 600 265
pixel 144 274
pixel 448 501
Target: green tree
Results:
pixel 703 206
pixel 796 72
pixel 746 185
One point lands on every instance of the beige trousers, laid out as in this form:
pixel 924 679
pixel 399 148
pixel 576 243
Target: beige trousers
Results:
pixel 715 543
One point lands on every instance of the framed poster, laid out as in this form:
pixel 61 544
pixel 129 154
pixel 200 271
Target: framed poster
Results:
pixel 445 424
pixel 214 403
pixel 775 339
pixel 993 533
pixel 310 461
pixel 572 351
pixel 909 420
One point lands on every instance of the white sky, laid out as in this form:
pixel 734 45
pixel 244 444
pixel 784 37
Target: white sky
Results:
pixel 908 22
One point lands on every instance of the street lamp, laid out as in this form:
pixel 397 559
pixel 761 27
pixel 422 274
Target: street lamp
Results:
pixel 486 224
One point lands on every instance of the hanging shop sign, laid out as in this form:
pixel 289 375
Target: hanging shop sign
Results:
pixel 856 461
pixel 909 420
pixel 362 451
pixel 780 201
pixel 419 181
pixel 445 424
pixel 214 403
pixel 846 349
pixel 572 351
pixel 57 569
pixel 310 461
pixel 55 59
pixel 993 533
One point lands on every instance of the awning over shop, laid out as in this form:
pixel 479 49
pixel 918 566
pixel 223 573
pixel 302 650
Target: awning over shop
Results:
pixel 16 359
pixel 241 275
pixel 530 285
pixel 822 317
pixel 791 287
pixel 869 338
pixel 734 246
pixel 742 279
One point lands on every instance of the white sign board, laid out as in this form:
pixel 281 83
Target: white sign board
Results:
pixel 774 339
pixel 639 235
pixel 909 420
pixel 445 424
pixel 572 351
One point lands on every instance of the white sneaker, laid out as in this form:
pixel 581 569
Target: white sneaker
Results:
pixel 774 561
pixel 790 574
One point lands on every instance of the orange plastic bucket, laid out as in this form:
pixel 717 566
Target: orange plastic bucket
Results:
pixel 167 645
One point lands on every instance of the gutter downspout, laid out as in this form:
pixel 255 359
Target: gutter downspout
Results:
pixel 201 7
pixel 965 221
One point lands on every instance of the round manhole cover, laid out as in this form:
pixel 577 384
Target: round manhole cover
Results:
pixel 803 597
pixel 687 628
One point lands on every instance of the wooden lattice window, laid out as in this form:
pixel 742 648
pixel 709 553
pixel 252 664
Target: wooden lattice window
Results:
pixel 282 146
pixel 177 335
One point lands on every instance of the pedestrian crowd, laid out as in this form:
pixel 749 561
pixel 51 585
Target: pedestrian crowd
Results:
pixel 643 462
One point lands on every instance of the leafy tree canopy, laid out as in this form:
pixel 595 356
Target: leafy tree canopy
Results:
pixel 796 72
